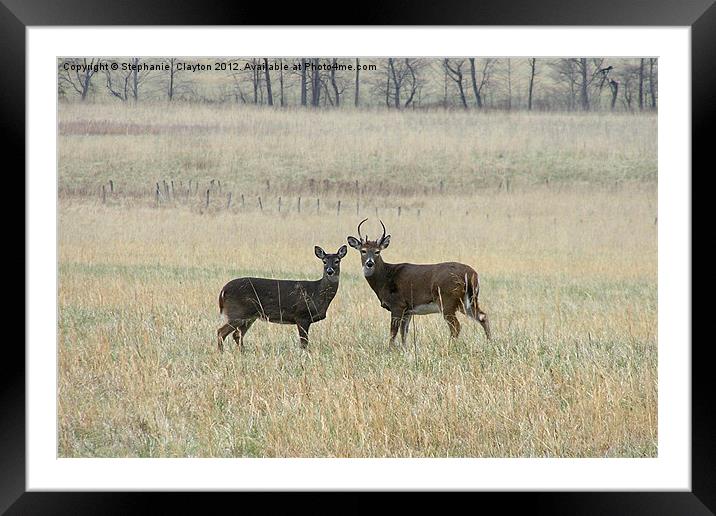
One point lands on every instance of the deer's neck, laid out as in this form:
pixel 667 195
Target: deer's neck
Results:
pixel 326 291
pixel 379 279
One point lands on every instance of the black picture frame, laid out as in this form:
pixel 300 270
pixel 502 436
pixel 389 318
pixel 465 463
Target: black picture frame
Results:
pixel 17 15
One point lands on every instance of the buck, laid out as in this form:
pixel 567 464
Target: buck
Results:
pixel 407 289
pixel 302 303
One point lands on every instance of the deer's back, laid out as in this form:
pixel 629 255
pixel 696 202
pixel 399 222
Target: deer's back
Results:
pixel 281 301
pixel 444 272
pixel 421 283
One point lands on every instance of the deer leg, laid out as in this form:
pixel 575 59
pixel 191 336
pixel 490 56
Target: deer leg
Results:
pixel 404 327
pixel 453 323
pixel 222 333
pixel 480 317
pixel 484 322
pixel 303 333
pixel 395 323
pixel 240 332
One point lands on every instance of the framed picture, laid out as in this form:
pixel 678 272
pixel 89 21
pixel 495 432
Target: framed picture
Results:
pixel 174 176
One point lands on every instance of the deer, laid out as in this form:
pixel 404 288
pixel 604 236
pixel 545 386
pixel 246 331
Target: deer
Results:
pixel 408 289
pixel 244 300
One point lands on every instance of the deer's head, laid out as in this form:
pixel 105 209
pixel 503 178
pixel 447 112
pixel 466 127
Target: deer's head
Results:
pixel 331 262
pixel 369 249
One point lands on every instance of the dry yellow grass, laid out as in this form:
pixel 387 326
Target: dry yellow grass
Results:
pixel 568 275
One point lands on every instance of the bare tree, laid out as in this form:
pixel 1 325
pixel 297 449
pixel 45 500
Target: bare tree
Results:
pixel 126 81
pixel 477 86
pixel 413 67
pixel 565 72
pixel 237 78
pixel 77 74
pixel 445 86
pixel 401 82
pixel 614 87
pixel 652 87
pixel 454 71
pixel 628 77
pixel 267 74
pixel 316 82
pixel 509 84
pixel 280 82
pixel 613 84
pixel 337 89
pixel 118 84
pixel 255 79
pixel 303 81
pixel 641 84
pixel 172 63
pixel 575 72
pixel 397 82
pixel 387 88
pixel 584 85
pixel 357 88
pixel 533 73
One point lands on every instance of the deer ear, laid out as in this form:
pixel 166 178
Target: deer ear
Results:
pixel 354 242
pixel 342 251
pixel 385 242
pixel 319 252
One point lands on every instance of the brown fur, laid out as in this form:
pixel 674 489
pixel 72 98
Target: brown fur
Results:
pixel 402 287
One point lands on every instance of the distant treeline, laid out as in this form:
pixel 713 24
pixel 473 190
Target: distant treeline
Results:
pixel 545 84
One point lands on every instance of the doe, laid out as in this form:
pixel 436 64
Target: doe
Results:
pixel 298 302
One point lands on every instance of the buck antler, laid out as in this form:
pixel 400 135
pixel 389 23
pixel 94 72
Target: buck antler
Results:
pixel 381 238
pixel 362 239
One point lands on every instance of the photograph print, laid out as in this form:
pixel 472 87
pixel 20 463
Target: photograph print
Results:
pixel 357 257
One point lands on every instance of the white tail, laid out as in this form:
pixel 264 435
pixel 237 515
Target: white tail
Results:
pixel 468 297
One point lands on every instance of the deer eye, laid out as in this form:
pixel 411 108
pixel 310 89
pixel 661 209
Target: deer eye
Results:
pixel 362 251
pixel 377 252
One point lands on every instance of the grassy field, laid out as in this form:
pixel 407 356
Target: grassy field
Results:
pixel 567 256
